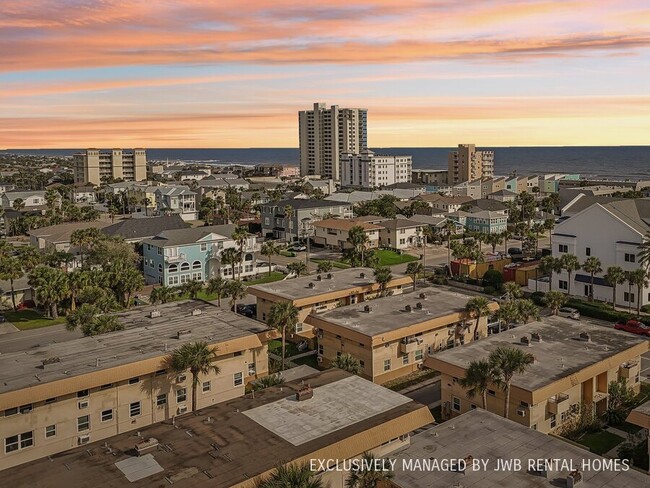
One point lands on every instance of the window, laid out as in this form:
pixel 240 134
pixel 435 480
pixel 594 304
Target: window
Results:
pixel 588 290
pixel 491 393
pixel 321 350
pixel 82 394
pixel 20 441
pixel 83 423
pixel 252 369
pixel 50 431
pixel 25 408
pixel 524 405
pixel 473 406
pixel 553 421
pixel 588 251
pixel 106 386
pixel 107 415
pixel 181 395
pixel 50 400
pixel 11 411
pixel 160 372
pixel 238 379
pixel 628 297
pixel 534 426
pixel 160 267
pixel 197 265
pixel 386 364
pixel 206 386
pixel 197 276
pixel 134 409
pixel 630 258
pixel 405 358
pixel 564 416
pixel 185 278
pixel 419 355
pixel 133 381
pixel 172 280
pixel 563 248
pixel 456 404
pixel 564 285
pixel 172 268
pixel 161 399
pixel 204 246
pixel 185 266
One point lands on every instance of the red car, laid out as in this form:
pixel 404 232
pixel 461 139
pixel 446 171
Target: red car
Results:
pixel 633 326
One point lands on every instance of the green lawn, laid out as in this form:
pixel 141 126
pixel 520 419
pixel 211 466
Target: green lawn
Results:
pixel 600 442
pixel 31 319
pixel 275 276
pixel 391 258
pixel 335 264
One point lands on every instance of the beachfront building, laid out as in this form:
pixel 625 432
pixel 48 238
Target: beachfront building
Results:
pixel 369 170
pixel 574 364
pixel 96 166
pixel 320 293
pixel 466 163
pixel 175 257
pixel 334 233
pixel 391 336
pixel 62 395
pixel 176 199
pixel 327 133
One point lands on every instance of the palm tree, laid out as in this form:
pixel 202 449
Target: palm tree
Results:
pixel 298 268
pixel 283 317
pixel 292 476
pixel 11 270
pixel 554 300
pixel 192 288
pixel 537 229
pixel 414 269
pixel 101 325
pixel 614 276
pixel 513 290
pixel 570 263
pixel 644 253
pixel 548 265
pixel 592 266
pixel 230 257
pixel 239 236
pixel 639 278
pixel 383 276
pixel 348 363
pixel 198 357
pixel 506 235
pixel 359 239
pixel 288 215
pixel 324 267
pixel 18 204
pixel 29 258
pixel 270 249
pixel 51 287
pixel 77 280
pixel 449 229
pixel 427 234
pixel 217 286
pixel 507 362
pixel 236 291
pixel 162 294
pixel 527 310
pixel 476 308
pixel 508 313
pixel 493 240
pixel 367 475
pixel 84 239
pixel 478 378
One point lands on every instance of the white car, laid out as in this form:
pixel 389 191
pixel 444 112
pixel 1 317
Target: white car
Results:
pixel 569 313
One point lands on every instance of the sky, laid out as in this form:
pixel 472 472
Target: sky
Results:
pixel 234 73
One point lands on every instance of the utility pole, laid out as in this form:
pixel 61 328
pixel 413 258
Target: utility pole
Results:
pixel 306 232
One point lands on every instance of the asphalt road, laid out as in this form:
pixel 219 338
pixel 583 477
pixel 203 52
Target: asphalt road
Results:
pixel 428 395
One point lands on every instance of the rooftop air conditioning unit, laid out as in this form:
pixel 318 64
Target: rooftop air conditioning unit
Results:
pixel 311 285
pixel 362 275
pixel 182 409
pixel 155 313
pixel 83 439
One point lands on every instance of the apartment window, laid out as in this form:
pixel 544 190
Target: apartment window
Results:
pixel 299 327
pixel 134 409
pixel 564 248
pixel 160 372
pixel 160 267
pixel 50 431
pixel 456 404
pixel 419 355
pixel 185 278
pixel 238 379
pixel 172 280
pixel 386 364
pixel 106 386
pixel 588 251
pixel 362 364
pixel 20 441
pixel 206 386
pixel 50 400
pixel 564 285
pixel 11 411
pixel 161 399
pixel 197 276
pixel 197 265
pixel 172 268
pixel 628 297
pixel 133 381
pixel 491 393
pixel 25 408
pixel 405 358
pixel 524 405
pixel 204 246
pixel 181 395
pixel 107 415
pixel 321 350
pixel 82 394
pixel 630 258
pixel 553 421
pixel 83 423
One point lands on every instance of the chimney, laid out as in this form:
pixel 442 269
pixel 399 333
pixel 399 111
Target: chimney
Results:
pixel 154 313
pixel 525 341
pixel 585 336
pixel 418 305
pixel 367 309
pixel 407 308
pixel 362 275
pixel 536 336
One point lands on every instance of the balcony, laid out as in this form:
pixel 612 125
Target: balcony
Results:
pixel 410 344
pixel 558 403
pixel 176 259
pixel 628 370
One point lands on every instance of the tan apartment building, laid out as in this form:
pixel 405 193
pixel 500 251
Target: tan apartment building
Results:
pixel 63 395
pixel 319 293
pixel 333 233
pixel 326 415
pixel 433 177
pixel 466 163
pixel 391 336
pixel 492 185
pixel 574 364
pixel 95 166
pixel 400 233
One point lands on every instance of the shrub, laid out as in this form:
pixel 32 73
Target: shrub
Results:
pixel 537 298
pixel 493 278
pixel 598 311
pixel 490 290
pixel 645 309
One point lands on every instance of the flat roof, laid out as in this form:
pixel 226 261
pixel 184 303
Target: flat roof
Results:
pixel 560 354
pixel 489 437
pixel 222 445
pixel 389 313
pixel 297 288
pixel 640 415
pixel 143 338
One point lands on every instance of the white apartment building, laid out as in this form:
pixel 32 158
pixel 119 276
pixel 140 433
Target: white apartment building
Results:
pixel 370 171
pixel 326 134
pixel 95 166
pixel 469 164
pixel 611 232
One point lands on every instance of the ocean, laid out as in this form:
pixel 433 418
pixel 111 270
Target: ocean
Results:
pixel 608 162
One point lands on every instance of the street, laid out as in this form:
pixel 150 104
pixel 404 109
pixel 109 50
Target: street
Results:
pixel 428 395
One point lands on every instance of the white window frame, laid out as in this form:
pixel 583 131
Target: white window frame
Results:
pixel 135 409
pixel 238 378
pixel 206 387
pixel 80 424
pixel 181 395
pixel 106 415
pixel 387 365
pixel 50 431
pixel 161 400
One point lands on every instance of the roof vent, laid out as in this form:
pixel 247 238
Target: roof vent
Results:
pixel 183 334
pixel 311 284
pixel 585 336
pixel 367 309
pixel 422 295
pixel 418 305
pixel 362 275
pixel 525 341
pixel 52 360
pixel 319 277
pixel 536 336
pixel 196 311
pixel 154 313
pixel 329 276
pixel 407 308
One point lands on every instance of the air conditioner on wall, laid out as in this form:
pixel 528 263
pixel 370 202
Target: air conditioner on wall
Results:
pixel 319 359
pixel 182 409
pixel 83 439
pixel 521 412
pixel 180 378
pixel 83 404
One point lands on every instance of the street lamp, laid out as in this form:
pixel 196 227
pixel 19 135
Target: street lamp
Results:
pixel 306 234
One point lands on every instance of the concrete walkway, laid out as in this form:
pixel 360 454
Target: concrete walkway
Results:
pixel 7 328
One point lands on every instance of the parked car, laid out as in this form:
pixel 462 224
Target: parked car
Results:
pixel 514 250
pixel 569 313
pixel 297 248
pixel 633 326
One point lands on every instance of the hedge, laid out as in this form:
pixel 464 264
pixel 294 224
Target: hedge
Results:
pixel 598 311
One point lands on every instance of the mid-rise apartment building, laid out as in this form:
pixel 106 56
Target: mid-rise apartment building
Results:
pixel 467 163
pixel 574 362
pixel 334 233
pixel 432 177
pixel 368 170
pixel 391 336
pixel 326 134
pixel 62 395
pixel 96 166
